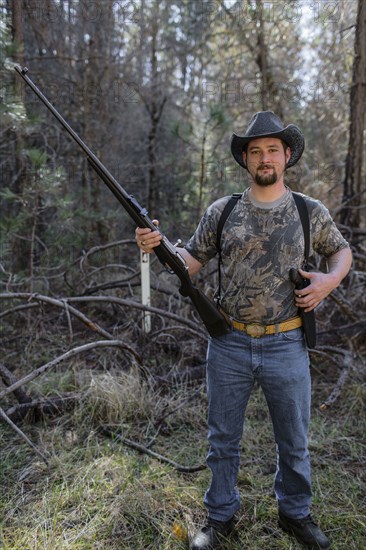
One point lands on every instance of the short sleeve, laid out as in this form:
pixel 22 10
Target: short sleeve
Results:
pixel 326 237
pixel 202 244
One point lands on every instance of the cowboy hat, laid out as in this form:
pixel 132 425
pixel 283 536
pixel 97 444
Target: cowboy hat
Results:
pixel 267 124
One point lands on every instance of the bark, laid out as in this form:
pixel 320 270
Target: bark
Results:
pixel 9 379
pixel 155 109
pixel 353 214
pixel 18 39
pixel 262 57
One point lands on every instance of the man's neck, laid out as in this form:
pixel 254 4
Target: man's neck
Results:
pixel 268 193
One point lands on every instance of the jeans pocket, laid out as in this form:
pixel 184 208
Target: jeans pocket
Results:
pixel 295 335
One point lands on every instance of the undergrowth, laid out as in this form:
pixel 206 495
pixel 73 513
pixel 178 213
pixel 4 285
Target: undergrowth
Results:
pixel 97 493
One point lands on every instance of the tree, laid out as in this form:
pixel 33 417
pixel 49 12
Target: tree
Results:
pixel 354 189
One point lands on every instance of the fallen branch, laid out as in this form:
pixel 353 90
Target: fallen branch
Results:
pixel 143 449
pixel 199 331
pixel 17 308
pixel 9 379
pixel 5 417
pixel 345 306
pixel 345 370
pixel 63 304
pixel 29 377
pixel 336 390
pixel 65 356
pixel 39 407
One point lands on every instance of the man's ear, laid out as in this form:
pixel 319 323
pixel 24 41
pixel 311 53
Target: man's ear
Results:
pixel 288 154
pixel 244 155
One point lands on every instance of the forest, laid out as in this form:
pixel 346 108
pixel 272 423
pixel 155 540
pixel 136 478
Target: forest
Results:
pixel 103 432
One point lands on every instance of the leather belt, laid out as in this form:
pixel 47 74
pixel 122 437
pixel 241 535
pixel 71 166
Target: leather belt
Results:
pixel 255 330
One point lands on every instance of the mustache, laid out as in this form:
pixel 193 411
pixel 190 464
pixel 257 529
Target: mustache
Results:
pixel 264 166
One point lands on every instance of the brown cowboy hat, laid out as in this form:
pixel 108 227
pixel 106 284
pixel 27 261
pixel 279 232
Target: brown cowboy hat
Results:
pixel 266 124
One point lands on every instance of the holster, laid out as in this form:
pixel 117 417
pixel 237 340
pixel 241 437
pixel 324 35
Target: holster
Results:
pixel 307 317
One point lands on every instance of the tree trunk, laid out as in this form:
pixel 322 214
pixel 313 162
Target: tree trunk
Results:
pixel 19 183
pixel 154 119
pixel 155 108
pixel 352 213
pixel 18 39
pixel 262 57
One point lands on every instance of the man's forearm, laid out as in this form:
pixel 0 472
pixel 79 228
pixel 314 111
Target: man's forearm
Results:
pixel 339 265
pixel 193 265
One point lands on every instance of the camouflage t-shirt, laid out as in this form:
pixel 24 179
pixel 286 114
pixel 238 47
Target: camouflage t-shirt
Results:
pixel 259 246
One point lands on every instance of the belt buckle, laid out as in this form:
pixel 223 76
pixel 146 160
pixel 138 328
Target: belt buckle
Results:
pixel 255 331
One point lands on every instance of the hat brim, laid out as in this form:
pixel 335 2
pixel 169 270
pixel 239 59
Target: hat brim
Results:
pixel 291 135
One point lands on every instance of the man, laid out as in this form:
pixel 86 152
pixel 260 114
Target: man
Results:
pixel 261 240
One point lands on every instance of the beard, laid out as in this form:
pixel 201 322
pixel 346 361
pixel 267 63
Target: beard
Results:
pixel 264 180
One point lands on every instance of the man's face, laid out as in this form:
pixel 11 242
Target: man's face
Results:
pixel 266 160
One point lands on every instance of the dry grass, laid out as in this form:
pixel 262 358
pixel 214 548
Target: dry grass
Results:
pixel 100 494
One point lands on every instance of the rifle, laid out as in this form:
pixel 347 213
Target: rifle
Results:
pixel 167 254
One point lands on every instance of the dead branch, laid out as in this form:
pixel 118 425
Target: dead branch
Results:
pixel 345 370
pixel 99 248
pixel 9 379
pixel 143 449
pixel 63 304
pixel 136 305
pixel 65 356
pixel 17 308
pixel 199 331
pixel 85 255
pixel 28 378
pixel 337 390
pixel 5 417
pixel 344 306
pixel 40 407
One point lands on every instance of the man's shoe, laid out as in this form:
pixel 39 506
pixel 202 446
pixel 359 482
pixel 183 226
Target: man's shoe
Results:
pixel 211 534
pixel 306 532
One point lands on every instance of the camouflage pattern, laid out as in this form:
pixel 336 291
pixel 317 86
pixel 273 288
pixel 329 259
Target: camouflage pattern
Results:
pixel 259 246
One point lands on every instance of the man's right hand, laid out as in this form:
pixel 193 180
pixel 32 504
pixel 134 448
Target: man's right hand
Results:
pixel 146 239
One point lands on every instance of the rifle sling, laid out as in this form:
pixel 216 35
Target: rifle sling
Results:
pixel 229 206
pixel 305 222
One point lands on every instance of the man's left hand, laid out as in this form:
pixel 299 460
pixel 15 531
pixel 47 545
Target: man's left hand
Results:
pixel 321 285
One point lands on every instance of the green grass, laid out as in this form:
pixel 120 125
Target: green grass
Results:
pixel 99 494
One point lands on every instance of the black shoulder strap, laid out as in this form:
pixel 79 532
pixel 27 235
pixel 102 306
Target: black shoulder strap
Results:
pixel 308 317
pixel 305 222
pixel 229 206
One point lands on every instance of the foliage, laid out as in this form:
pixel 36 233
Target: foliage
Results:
pixel 156 91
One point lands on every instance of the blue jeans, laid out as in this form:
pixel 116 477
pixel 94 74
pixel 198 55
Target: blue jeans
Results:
pixel 279 363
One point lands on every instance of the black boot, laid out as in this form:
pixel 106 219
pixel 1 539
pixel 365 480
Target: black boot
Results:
pixel 209 537
pixel 306 532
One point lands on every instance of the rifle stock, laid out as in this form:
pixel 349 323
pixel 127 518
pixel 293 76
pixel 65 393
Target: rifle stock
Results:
pixel 214 321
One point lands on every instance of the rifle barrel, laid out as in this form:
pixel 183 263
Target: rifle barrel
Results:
pixel 214 321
